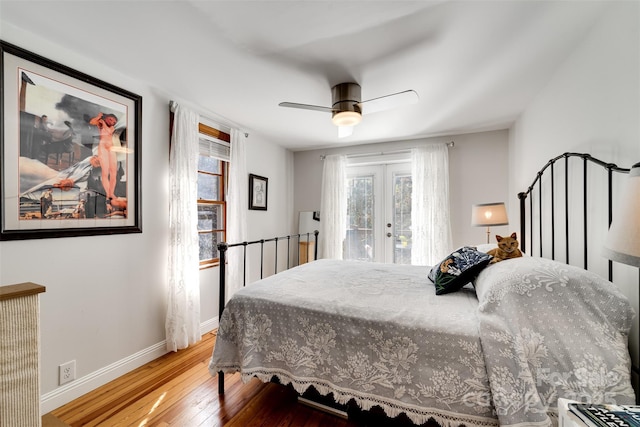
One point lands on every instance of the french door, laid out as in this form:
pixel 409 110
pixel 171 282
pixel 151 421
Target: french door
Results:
pixel 379 213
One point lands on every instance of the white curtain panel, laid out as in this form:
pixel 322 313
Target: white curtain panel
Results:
pixel 430 219
pixel 333 207
pixel 183 308
pixel 237 205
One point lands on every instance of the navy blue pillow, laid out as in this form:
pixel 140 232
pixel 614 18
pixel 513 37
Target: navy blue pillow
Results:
pixel 459 268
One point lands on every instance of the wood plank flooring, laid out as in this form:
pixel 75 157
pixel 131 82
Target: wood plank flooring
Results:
pixel 177 390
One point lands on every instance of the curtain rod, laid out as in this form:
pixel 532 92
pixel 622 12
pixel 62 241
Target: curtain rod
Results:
pixel 450 144
pixel 208 116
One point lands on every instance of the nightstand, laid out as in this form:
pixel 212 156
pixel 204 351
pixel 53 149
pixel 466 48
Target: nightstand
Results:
pixel 566 418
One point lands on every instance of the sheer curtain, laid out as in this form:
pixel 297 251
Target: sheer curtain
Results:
pixel 237 205
pixel 430 219
pixel 183 309
pixel 333 207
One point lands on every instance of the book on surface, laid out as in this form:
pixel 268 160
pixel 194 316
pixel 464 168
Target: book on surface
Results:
pixel 607 415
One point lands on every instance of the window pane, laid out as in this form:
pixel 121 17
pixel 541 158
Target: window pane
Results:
pixel 402 218
pixel 210 217
pixel 206 246
pixel 208 164
pixel 209 245
pixel 208 186
pixel 360 240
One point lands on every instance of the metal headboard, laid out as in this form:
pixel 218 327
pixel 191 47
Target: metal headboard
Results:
pixel 549 168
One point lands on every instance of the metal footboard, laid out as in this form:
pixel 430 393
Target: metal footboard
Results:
pixel 223 247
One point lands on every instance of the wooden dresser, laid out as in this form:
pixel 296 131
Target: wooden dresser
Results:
pixel 306 252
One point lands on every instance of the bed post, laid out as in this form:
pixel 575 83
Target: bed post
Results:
pixel 315 245
pixel 222 248
pixel 523 237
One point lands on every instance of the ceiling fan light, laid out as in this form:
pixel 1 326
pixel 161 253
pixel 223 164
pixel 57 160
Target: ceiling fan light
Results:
pixel 346 118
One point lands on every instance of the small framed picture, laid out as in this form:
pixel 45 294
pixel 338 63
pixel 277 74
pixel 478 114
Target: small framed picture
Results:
pixel 258 186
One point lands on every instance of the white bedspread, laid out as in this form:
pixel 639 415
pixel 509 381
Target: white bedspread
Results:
pixel 551 330
pixel 377 333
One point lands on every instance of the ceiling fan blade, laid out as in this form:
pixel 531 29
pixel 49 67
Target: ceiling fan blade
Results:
pixel 345 131
pixel 388 102
pixel 306 106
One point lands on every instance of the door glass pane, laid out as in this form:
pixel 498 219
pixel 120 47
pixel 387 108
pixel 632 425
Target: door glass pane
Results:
pixel 402 218
pixel 359 243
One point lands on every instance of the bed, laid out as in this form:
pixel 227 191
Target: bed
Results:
pixel 499 352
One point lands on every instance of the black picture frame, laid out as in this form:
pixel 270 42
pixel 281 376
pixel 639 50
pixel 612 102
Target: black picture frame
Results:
pixel 258 192
pixel 59 128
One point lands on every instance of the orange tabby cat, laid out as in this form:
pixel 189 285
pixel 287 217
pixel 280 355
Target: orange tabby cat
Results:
pixel 507 248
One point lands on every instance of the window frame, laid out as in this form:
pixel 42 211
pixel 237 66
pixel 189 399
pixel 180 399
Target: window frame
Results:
pixel 223 180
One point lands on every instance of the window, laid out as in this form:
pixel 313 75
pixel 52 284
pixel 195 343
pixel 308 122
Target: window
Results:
pixel 213 169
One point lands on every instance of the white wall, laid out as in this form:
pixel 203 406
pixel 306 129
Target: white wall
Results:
pixel 276 164
pixel 478 168
pixel 105 301
pixel 591 105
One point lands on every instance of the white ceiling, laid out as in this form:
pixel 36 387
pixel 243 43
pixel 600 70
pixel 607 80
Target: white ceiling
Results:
pixel 475 64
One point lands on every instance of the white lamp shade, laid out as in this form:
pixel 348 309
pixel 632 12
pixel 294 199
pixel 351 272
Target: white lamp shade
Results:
pixel 623 240
pixel 488 214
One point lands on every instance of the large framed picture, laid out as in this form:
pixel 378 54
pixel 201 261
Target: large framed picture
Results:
pixel 258 186
pixel 69 151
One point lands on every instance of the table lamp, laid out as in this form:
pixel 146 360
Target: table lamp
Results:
pixel 623 240
pixel 488 214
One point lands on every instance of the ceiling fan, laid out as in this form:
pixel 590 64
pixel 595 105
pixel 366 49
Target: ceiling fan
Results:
pixel 347 108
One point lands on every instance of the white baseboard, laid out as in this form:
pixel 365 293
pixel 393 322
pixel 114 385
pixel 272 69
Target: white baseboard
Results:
pixel 68 392
pixel 208 326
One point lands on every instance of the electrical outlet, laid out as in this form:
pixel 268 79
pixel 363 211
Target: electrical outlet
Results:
pixel 66 372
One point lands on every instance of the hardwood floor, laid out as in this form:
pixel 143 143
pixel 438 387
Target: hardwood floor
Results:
pixel 177 390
